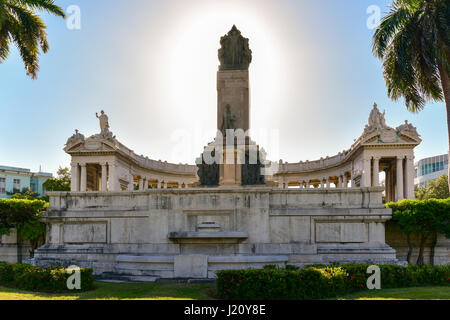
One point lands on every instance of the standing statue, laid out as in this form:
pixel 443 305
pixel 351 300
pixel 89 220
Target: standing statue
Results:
pixel 229 119
pixel 377 120
pixel 104 124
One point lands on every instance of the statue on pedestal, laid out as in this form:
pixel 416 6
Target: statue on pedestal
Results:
pixel 229 119
pixel 377 120
pixel 104 125
pixel 234 53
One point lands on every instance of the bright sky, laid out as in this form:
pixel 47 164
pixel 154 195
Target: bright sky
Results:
pixel 151 65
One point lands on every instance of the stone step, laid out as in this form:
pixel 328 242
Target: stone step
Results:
pixel 126 278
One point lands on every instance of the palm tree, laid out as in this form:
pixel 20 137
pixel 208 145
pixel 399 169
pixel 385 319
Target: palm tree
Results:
pixel 19 24
pixel 413 42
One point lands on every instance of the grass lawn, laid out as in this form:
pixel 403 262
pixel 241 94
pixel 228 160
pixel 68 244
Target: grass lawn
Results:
pixel 184 291
pixel 118 291
pixel 414 293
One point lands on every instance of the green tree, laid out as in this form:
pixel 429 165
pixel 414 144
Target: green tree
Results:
pixel 61 183
pixel 26 193
pixel 413 42
pixel 19 24
pixel 24 216
pixel 426 218
pixel 437 189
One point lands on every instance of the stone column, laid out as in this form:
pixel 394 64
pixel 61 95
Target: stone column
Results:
pixel 307 184
pixel 409 178
pixel 131 182
pixel 83 177
pixel 74 178
pixel 366 173
pixel 352 179
pixel 376 171
pixel 146 183
pixel 328 183
pixel 300 184
pixel 159 184
pixel 112 180
pixel 399 194
pixel 104 179
pixel 345 180
pixel 141 184
pixel 322 183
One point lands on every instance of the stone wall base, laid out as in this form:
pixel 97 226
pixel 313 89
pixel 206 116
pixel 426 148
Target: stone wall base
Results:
pixel 114 259
pixel 397 240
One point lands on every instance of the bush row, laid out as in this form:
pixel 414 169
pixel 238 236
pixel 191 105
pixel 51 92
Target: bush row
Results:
pixel 321 281
pixel 28 277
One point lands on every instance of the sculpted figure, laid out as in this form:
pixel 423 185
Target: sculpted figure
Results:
pixel 234 53
pixel 377 120
pixel 407 127
pixel 104 124
pixel 228 119
pixel 75 137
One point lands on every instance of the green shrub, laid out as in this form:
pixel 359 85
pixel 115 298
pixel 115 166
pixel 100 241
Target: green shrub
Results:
pixel 320 281
pixel 28 277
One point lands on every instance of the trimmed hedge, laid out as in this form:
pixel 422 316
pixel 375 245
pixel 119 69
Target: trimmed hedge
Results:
pixel 28 277
pixel 320 281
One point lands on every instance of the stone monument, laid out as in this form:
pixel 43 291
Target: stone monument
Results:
pixel 128 216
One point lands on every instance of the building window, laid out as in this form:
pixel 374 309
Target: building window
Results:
pixel 16 185
pixel 33 187
pixel 2 185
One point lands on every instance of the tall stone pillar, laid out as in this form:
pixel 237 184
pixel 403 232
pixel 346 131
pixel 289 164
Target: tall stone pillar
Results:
pixel 322 183
pixel 328 183
pixel 376 171
pixel 409 178
pixel 104 180
pixel 146 183
pixel 233 102
pixel 83 182
pixel 131 182
pixel 141 184
pixel 345 180
pixel 113 180
pixel 399 192
pixel 74 178
pixel 366 173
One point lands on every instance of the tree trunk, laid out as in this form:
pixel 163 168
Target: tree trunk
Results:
pixel 445 82
pixel 433 245
pixel 410 248
pixel 423 239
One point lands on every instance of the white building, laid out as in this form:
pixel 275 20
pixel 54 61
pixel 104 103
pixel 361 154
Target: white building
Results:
pixel 430 169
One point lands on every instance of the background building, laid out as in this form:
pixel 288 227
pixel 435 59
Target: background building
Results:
pixel 430 168
pixel 15 179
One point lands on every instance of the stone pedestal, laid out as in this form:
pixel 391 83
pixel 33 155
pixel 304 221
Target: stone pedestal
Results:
pixel 230 170
pixel 233 90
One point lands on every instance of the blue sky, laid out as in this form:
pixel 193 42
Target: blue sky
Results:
pixel 151 65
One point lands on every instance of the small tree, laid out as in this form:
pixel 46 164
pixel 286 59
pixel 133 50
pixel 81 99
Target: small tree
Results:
pixel 61 183
pixel 435 189
pixel 422 217
pixel 24 216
